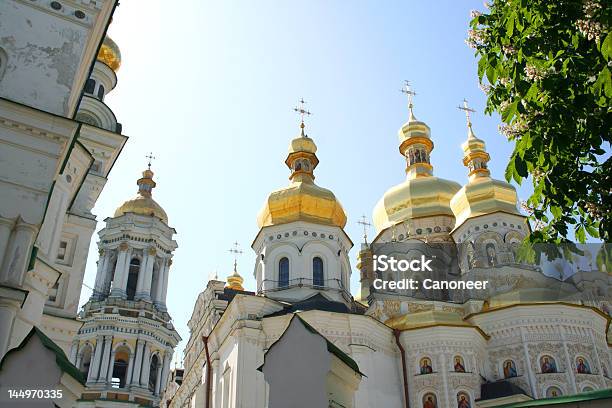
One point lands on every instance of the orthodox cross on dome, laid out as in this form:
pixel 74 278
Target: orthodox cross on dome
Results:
pixel 407 89
pixel 150 157
pixel 366 225
pixel 302 111
pixel 236 251
pixel 467 111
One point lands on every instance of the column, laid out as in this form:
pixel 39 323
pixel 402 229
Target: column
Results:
pixel 130 369
pixel 111 367
pixel 146 366
pixel 120 270
pixel 6 226
pixel 163 272
pixel 165 282
pixel 108 340
pixel 145 289
pixel 77 364
pixel 94 366
pixel 74 349
pixel 158 379
pixel 166 366
pixel 101 275
pixel 135 380
pixel 126 272
pixel 17 257
pixel 8 310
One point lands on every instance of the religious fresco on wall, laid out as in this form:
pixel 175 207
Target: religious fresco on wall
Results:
pixel 463 400
pixel 510 369
pixel 430 400
pixel 425 365
pixel 548 364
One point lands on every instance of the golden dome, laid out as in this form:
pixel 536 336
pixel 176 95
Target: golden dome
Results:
pixel 302 200
pixel 143 204
pixel 234 281
pixel 417 197
pixel 482 194
pixel 421 194
pixel 109 54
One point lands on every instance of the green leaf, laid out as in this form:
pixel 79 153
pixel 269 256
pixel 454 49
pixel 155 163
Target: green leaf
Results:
pixel 606 46
pixel 509 112
pixel 556 211
pixel 482 64
pixel 580 234
pixel 520 166
pixel 510 25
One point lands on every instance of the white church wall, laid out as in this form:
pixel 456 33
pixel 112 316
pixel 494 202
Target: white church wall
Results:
pixel 529 334
pixel 49 48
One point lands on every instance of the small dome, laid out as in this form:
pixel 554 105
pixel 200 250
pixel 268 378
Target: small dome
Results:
pixel 302 201
pixel 109 54
pixel 302 144
pixel 143 204
pixel 416 197
pixel 481 196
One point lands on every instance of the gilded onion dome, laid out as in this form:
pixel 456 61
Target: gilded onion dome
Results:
pixel 482 194
pixel 143 204
pixel 235 281
pixel 421 194
pixel 109 54
pixel 302 200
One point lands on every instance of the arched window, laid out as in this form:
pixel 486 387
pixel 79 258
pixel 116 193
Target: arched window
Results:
pixel 317 271
pixel 122 356
pixel 153 373
pixel 90 85
pixel 132 278
pixel 283 272
pixel 101 92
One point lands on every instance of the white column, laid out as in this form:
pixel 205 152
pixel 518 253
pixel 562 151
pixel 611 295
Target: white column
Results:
pixel 8 311
pixel 135 380
pixel 19 250
pixel 158 379
pixel 146 366
pixel 74 350
pixel 165 282
pixel 126 271
pixel 145 290
pixel 157 296
pixel 105 358
pixel 6 226
pixel 78 361
pixel 101 275
pixel 94 366
pixel 166 366
pixel 120 270
pixel 111 366
pixel 130 369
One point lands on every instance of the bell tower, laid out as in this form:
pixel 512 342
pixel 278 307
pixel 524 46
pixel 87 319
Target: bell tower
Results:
pixel 127 340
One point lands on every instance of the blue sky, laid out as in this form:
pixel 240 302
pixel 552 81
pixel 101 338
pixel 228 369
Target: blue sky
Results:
pixel 210 87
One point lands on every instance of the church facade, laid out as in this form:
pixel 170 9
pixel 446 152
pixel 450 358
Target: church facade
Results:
pixel 528 336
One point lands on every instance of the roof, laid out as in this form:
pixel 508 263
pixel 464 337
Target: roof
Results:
pixel 331 347
pixel 60 357
pixel 319 302
pixel 585 396
pixel 499 389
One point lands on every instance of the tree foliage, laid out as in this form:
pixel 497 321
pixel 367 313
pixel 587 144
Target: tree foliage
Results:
pixel 545 67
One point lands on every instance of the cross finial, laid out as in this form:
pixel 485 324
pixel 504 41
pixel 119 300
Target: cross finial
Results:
pixel 236 251
pixel 467 111
pixel 364 222
pixel 302 111
pixel 407 89
pixel 150 157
